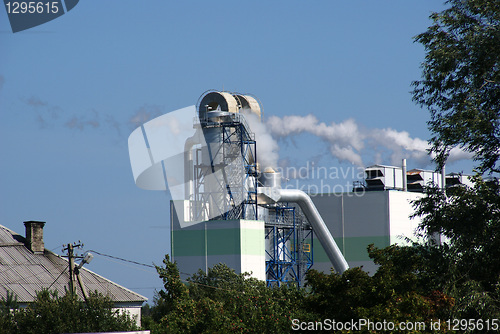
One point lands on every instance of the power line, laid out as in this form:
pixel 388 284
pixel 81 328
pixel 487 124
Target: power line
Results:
pixel 122 259
pixel 130 265
pixel 182 280
pixel 62 272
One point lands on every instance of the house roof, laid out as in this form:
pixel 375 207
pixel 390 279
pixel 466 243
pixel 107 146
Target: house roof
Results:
pixel 24 273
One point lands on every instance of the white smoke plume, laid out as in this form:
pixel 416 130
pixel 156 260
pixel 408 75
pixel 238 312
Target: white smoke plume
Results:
pixel 399 145
pixel 344 139
pixel 457 154
pixel 347 142
pixel 267 147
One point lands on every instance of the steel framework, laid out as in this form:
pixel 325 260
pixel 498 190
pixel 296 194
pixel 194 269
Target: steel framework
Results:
pixel 236 192
pixel 289 247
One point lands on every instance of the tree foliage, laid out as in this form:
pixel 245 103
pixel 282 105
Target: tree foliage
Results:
pixel 469 220
pixel 50 313
pixel 396 293
pixel 222 301
pixel 460 82
pixel 460 86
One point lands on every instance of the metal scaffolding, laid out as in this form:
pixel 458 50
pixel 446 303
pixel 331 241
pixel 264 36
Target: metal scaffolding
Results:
pixel 289 246
pixel 234 174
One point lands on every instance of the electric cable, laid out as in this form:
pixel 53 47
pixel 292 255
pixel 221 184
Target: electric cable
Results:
pixel 122 259
pixel 62 272
pixel 182 280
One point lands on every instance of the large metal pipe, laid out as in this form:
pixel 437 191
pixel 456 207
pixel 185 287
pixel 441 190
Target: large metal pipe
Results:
pixel 405 184
pixel 188 165
pixel 319 227
pixel 443 179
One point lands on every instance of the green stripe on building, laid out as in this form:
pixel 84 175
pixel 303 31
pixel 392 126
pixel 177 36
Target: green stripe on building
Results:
pixel 353 248
pixel 219 242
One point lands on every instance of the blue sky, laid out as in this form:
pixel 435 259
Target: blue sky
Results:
pixel 70 88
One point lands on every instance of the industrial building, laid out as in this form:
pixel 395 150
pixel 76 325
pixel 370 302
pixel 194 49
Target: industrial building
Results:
pixel 227 208
pixel 378 217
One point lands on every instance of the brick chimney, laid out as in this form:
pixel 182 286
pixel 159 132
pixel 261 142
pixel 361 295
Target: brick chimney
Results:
pixel 34 236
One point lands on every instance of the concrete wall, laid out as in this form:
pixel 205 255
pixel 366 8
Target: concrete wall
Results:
pixel 359 219
pixel 400 208
pixel 237 243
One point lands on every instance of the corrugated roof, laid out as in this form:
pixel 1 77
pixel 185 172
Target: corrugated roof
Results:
pixel 24 273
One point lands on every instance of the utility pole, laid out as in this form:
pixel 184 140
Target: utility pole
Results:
pixel 71 262
pixel 71 259
pixel 84 291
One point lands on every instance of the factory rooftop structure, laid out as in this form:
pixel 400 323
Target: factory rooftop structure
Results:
pixel 377 211
pixel 26 268
pixel 383 177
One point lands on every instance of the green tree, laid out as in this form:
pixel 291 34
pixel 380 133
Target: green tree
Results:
pixel 460 82
pixel 50 313
pixel 397 292
pixel 222 301
pixel 469 219
pixel 460 86
pixel 8 306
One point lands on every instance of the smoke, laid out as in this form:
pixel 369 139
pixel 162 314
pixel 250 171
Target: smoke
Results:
pixel 457 154
pixel 49 115
pixel 144 114
pixel 348 142
pixel 81 122
pixel 399 145
pixel 34 101
pixel 46 114
pixel 345 140
pixel 267 147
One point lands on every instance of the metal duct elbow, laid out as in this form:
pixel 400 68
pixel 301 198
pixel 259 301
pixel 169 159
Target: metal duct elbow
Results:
pixel 248 105
pixel 319 227
pixel 217 101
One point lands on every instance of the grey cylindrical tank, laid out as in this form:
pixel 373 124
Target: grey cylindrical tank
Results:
pixel 270 178
pixel 214 108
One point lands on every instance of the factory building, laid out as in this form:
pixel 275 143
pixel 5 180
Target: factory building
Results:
pixel 378 217
pixel 226 208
